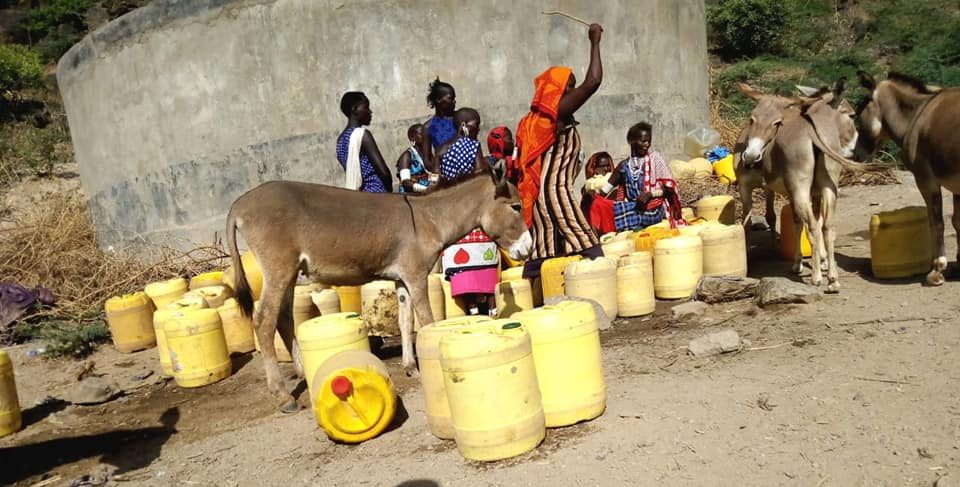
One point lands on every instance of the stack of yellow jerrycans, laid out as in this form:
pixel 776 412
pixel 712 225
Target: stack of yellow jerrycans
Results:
pixel 495 385
pixel 350 389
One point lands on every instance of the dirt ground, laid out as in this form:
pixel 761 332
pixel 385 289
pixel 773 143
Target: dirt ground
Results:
pixel 858 389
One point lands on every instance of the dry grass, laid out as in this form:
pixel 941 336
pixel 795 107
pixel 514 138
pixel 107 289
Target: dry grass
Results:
pixel 54 245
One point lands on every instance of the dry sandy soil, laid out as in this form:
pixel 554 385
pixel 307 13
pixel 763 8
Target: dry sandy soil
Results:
pixel 858 389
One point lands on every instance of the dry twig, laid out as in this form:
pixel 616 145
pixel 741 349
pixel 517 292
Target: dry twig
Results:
pixel 564 14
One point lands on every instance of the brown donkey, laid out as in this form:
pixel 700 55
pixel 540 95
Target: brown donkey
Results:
pixel 792 146
pixel 923 121
pixel 342 237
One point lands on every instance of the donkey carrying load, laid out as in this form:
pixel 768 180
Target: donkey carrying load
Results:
pixel 923 121
pixel 793 146
pixel 342 237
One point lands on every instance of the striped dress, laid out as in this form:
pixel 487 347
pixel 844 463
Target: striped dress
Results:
pixel 559 226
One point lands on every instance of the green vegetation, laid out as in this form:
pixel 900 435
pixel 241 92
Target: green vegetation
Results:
pixel 20 68
pixel 62 339
pixel 815 42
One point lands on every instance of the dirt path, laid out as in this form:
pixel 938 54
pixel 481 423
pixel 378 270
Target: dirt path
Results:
pixel 861 388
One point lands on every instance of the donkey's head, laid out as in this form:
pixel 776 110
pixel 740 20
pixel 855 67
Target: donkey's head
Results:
pixel 765 121
pixel 884 111
pixel 502 220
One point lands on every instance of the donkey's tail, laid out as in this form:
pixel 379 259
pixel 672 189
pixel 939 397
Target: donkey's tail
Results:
pixel 848 164
pixel 241 286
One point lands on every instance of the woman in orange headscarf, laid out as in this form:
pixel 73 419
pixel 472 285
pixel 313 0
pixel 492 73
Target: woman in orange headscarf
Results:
pixel 549 146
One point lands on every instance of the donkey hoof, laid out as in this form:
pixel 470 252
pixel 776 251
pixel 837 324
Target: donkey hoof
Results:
pixel 290 407
pixel 935 278
pixel 833 288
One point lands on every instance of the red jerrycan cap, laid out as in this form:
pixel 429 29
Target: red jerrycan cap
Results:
pixel 341 387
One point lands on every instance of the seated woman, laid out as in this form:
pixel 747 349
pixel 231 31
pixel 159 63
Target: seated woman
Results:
pixel 411 170
pixel 357 151
pixel 470 264
pixel 599 211
pixel 651 191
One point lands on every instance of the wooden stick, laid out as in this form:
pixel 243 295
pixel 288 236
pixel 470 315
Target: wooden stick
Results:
pixel 571 17
pixel 886 381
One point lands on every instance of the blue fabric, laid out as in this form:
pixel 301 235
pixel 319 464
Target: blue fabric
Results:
pixel 717 153
pixel 459 161
pixel 416 168
pixel 371 182
pixel 441 131
pixel 626 216
pixel 633 184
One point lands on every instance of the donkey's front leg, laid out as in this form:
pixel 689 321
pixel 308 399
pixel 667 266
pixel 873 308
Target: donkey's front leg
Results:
pixel 413 298
pixel 933 197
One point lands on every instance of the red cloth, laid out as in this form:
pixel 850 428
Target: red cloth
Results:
pixel 496 143
pixel 537 132
pixel 601 215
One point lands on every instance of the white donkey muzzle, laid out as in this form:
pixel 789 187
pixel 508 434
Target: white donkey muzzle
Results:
pixel 520 249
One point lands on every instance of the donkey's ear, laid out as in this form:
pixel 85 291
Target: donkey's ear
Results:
pixel 838 92
pixel 749 91
pixel 866 80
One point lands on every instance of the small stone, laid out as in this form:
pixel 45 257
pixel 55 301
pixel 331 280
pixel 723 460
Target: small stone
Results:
pixel 780 290
pixel 715 343
pixel 689 309
pixel 93 390
pixel 143 375
pixel 946 482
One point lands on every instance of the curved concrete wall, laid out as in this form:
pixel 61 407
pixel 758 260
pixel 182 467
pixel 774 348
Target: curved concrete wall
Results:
pixel 179 107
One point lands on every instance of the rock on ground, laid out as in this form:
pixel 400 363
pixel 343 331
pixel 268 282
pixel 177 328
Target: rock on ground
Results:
pixel 715 343
pixel 689 309
pixel 720 289
pixel 780 290
pixel 93 390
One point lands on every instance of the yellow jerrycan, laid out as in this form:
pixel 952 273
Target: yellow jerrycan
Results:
pixel 515 273
pixel 327 335
pixel 552 275
pixel 677 266
pixel 436 296
pixel 431 374
pixel 491 383
pixel 566 350
pixel 355 399
pixel 513 296
pixel 900 243
pixel 327 301
pixel 130 318
pixel 349 299
pixel 452 307
pixel 160 319
pixel 303 308
pixel 251 269
pixel 165 292
pixel 206 279
pixel 594 279
pixel 788 236
pixel 635 295
pixel 616 244
pixel 237 329
pixel 646 239
pixel 724 251
pixel 198 349
pixel 10 418
pixel 213 296
pixel 721 208
pixel 381 310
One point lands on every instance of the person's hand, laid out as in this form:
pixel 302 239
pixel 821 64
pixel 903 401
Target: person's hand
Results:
pixel 644 198
pixel 594 33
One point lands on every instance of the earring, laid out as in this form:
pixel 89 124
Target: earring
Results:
pixel 463 129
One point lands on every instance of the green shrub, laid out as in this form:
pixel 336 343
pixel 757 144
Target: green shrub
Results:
pixel 64 339
pixel 27 151
pixel 746 28
pixel 41 21
pixel 19 68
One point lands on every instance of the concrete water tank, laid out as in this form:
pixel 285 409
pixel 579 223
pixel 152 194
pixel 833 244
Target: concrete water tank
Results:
pixel 179 107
